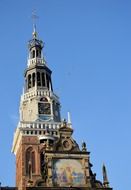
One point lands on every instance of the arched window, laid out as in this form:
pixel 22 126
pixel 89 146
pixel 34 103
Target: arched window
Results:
pixel 43 79
pixel 29 81
pixel 47 80
pixel 33 54
pixel 33 161
pixel 38 53
pixel 38 79
pixel 33 79
pixel 30 161
pixel 42 163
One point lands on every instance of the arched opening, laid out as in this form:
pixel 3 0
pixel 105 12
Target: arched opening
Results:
pixel 29 81
pixel 38 79
pixel 47 80
pixel 33 79
pixel 43 79
pixel 30 161
pixel 33 54
pixel 38 53
pixel 33 161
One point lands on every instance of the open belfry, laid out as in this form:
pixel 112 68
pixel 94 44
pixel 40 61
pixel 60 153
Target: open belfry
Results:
pixel 47 156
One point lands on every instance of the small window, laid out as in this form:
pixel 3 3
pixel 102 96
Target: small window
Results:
pixel 33 54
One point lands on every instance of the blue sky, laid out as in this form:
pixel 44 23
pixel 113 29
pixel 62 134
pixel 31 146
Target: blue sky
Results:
pixel 88 48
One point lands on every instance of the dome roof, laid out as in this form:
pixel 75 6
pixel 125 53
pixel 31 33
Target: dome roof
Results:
pixel 35 43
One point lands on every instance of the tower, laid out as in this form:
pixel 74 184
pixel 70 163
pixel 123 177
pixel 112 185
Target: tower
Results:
pixel 47 156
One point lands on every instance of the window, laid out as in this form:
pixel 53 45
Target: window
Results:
pixel 47 81
pixel 33 79
pixel 38 79
pixel 29 81
pixel 30 161
pixel 33 54
pixel 43 79
pixel 33 161
pixel 38 54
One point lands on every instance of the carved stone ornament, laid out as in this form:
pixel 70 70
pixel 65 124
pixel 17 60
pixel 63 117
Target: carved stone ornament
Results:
pixel 66 144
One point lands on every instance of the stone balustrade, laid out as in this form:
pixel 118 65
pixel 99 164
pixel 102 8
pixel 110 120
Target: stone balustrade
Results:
pixel 35 61
pixel 39 93
pixel 34 93
pixel 40 125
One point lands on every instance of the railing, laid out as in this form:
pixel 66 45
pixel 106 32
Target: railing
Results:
pixel 34 61
pixel 38 93
pixel 39 128
pixel 40 125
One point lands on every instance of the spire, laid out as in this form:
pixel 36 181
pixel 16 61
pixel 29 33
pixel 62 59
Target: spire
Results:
pixel 34 33
pixel 105 178
pixel 69 117
pixel 35 45
pixel 34 17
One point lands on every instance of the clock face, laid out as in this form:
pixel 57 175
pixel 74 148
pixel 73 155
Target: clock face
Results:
pixel 44 108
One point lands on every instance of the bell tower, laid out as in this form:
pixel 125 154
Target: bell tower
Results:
pixel 47 156
pixel 38 83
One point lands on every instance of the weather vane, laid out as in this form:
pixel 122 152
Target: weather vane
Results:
pixel 34 18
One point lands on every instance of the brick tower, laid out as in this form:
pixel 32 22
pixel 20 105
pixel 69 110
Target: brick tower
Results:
pixel 47 156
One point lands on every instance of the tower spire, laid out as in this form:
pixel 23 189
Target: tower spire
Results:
pixel 34 33
pixel 105 178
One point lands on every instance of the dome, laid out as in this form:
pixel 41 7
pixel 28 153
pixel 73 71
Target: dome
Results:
pixel 35 43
